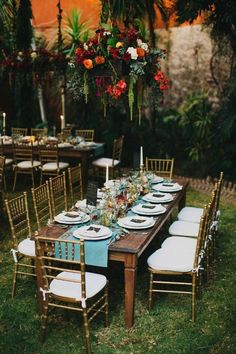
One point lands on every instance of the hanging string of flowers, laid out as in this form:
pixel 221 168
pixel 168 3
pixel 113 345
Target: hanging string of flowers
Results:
pixel 117 64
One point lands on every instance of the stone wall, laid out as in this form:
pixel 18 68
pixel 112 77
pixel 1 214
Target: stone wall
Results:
pixel 190 63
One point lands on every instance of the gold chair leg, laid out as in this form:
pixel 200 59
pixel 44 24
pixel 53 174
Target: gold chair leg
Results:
pixel 194 297
pixel 86 331
pixel 14 183
pixel 44 318
pixel 150 291
pixel 15 269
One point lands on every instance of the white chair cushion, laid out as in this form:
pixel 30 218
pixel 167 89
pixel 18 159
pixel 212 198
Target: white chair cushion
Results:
pixel 170 260
pixel 190 214
pixel 184 228
pixel 52 166
pixel 28 164
pixel 27 247
pixel 8 161
pixel 180 243
pixel 94 284
pixel 103 161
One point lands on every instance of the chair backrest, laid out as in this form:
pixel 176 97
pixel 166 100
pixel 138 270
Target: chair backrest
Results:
pixel 75 183
pixel 202 235
pixel 65 134
pixel 42 205
pixel 39 132
pixel 162 167
pixel 22 152
pixel 218 193
pixel 58 194
pixel 117 148
pixel 57 256
pixel 16 132
pixel 18 216
pixel 87 134
pixel 48 153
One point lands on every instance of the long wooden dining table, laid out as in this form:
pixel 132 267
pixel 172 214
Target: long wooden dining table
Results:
pixel 126 250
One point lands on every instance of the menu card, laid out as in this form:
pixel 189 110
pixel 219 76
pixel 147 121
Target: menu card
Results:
pixel 92 193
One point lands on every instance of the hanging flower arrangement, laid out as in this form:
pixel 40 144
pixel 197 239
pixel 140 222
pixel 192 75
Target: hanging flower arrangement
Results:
pixel 118 64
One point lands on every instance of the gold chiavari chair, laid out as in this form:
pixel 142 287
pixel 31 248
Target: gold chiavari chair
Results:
pixel 58 194
pixel 42 205
pixel 65 134
pixel 23 248
pixel 75 184
pixel 175 267
pixel 8 162
pixel 24 162
pixel 87 134
pixel 114 162
pixel 2 178
pixel 162 167
pixel 17 132
pixel 50 164
pixel 39 132
pixel 67 284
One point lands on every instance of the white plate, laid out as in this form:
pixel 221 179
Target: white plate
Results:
pixel 78 219
pixel 157 179
pixel 149 209
pixel 64 145
pixel 168 187
pixel 112 183
pixel 89 232
pixel 119 222
pixel 136 221
pixel 87 144
pixel 82 204
pixel 159 198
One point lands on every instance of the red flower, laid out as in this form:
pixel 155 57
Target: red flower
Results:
pixel 126 56
pixel 164 82
pixel 115 53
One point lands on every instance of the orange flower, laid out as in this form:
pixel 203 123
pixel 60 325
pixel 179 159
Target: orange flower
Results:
pixel 141 52
pixel 119 44
pixel 88 64
pixel 99 60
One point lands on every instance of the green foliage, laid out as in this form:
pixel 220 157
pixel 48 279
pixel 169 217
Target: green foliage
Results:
pixel 76 29
pixel 24 30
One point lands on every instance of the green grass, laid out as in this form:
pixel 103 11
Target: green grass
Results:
pixel 166 329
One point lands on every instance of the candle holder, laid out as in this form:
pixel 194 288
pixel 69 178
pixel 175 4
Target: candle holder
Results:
pixel 141 169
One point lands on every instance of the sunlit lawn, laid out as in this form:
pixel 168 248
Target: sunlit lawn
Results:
pixel 166 329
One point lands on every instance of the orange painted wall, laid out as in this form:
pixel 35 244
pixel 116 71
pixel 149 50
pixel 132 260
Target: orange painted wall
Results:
pixel 45 13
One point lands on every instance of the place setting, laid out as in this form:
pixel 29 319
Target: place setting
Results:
pixel 72 217
pixel 157 197
pixel 93 232
pixel 148 209
pixel 167 187
pixel 136 222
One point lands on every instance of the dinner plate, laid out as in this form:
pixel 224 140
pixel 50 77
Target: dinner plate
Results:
pixel 157 179
pixel 149 209
pixel 158 197
pixel 112 183
pixel 136 222
pixel 93 232
pixel 72 217
pixel 87 144
pixel 168 187
pixel 64 145
pixel 82 204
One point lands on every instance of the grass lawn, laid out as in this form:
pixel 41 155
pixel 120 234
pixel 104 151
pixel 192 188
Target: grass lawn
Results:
pixel 166 329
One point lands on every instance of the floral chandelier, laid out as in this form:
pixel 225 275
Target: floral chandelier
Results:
pixel 115 64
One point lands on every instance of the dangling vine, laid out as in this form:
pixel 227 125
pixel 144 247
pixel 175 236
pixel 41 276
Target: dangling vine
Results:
pixel 59 33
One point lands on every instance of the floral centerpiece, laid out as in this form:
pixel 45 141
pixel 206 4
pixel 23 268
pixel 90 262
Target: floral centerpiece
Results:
pixel 117 63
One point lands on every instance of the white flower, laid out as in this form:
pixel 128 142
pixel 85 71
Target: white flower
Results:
pixel 139 42
pixel 144 46
pixel 33 55
pixel 106 33
pixel 85 46
pixel 133 52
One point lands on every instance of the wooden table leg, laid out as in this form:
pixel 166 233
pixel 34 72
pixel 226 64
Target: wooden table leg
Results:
pixel 130 287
